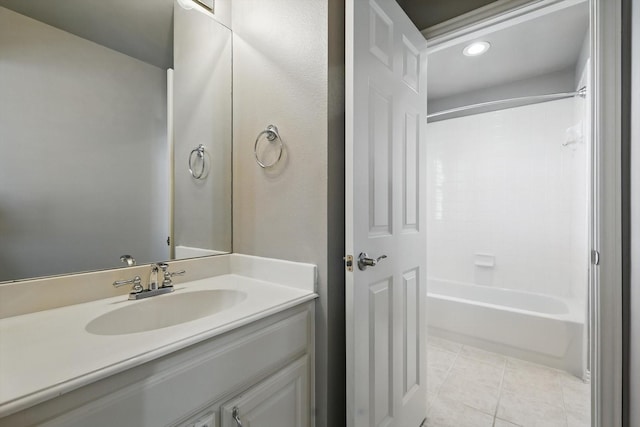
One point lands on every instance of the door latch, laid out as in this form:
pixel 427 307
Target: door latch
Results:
pixel 348 262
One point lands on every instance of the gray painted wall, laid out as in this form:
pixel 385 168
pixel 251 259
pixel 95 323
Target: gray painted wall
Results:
pixel 634 359
pixel 81 130
pixel 140 29
pixel 202 115
pixel 283 76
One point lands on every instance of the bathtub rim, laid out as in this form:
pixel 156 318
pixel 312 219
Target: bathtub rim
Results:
pixel 575 313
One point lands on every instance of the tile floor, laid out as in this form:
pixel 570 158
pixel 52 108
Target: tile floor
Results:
pixel 469 387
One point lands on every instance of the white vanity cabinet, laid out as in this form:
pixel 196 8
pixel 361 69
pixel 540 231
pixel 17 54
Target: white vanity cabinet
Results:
pixel 282 400
pixel 263 369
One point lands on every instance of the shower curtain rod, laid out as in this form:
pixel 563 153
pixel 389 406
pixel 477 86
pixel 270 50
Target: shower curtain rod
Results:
pixel 582 92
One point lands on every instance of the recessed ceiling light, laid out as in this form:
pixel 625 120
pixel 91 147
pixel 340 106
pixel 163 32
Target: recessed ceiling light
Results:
pixel 477 48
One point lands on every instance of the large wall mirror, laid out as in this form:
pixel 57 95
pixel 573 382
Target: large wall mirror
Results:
pixel 104 106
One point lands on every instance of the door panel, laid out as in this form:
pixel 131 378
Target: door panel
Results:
pixel 411 334
pixel 380 190
pixel 411 183
pixel 385 215
pixel 381 356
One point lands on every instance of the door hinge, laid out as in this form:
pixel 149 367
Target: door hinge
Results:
pixel 595 257
pixel 169 241
pixel 348 262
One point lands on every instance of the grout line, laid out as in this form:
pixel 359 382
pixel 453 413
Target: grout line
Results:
pixel 459 355
pixel 455 359
pixel 504 370
pixel 446 376
pixel 564 401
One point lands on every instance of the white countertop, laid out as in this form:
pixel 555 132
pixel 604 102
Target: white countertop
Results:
pixel 48 353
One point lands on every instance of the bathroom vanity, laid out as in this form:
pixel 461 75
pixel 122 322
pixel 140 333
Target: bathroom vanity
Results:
pixel 234 348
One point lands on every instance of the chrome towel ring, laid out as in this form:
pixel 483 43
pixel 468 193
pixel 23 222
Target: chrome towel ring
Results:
pixel 199 153
pixel 272 136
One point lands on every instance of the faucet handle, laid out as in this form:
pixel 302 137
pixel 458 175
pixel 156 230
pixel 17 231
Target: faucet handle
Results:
pixel 136 282
pixel 166 278
pixel 167 275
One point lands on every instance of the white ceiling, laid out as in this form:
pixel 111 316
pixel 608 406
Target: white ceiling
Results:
pixel 540 46
pixel 142 29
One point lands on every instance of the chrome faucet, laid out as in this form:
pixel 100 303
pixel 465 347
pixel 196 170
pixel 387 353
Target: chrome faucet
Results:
pixel 153 278
pixel 167 275
pixel 129 260
pixel 136 283
pixel 153 289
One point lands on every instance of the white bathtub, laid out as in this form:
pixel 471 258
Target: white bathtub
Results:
pixel 540 328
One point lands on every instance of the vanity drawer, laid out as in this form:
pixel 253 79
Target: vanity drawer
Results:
pixel 180 385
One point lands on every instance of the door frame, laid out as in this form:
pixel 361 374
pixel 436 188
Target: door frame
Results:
pixel 606 189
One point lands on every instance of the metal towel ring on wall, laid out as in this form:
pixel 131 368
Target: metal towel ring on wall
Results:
pixel 272 135
pixel 199 153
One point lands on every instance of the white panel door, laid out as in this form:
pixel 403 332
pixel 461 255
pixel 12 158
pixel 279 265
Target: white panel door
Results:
pixel 385 215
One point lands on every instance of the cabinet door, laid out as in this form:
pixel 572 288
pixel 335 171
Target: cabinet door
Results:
pixel 206 420
pixel 281 400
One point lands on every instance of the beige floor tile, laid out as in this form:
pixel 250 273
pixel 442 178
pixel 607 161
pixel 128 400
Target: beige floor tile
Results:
pixel 523 365
pixel 443 344
pixel 471 392
pixel 531 390
pixel 478 371
pixel 483 356
pixel 447 413
pixel 577 400
pixel 517 409
pixel 439 362
pixel 474 383
pixel 467 386
pixel 570 379
pixel 533 382
pixel 502 423
pixel 431 397
pixel 576 393
pixel 578 419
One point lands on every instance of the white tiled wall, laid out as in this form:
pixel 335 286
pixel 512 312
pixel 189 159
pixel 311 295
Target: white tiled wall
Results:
pixel 502 184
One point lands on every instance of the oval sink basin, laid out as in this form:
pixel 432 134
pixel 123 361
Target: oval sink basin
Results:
pixel 163 311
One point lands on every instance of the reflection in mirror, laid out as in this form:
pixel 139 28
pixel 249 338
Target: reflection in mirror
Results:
pixel 202 54
pixel 96 131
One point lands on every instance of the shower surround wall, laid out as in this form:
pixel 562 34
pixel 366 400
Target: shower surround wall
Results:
pixel 503 190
